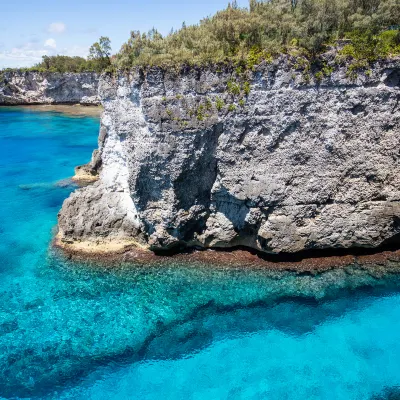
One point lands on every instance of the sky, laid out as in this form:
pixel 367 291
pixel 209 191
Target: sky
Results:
pixel 30 29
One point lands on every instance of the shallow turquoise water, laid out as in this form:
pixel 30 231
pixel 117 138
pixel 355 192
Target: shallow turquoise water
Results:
pixel 71 331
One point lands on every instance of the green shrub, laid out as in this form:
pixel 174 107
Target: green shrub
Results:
pixel 200 112
pixel 233 88
pixel 327 70
pixel 256 55
pixel 239 70
pixel 246 88
pixel 219 103
pixel 306 77
pixel 319 76
pixel 367 47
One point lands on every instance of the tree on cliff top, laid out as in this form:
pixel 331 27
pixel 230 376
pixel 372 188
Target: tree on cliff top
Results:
pixel 100 53
pixel 100 49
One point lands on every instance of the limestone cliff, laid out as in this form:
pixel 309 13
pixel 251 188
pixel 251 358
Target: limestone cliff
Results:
pixel 275 160
pixel 48 88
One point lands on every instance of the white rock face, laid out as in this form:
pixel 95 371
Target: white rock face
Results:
pixel 295 165
pixel 49 88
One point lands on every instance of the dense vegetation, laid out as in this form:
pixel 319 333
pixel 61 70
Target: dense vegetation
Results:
pixel 246 36
pixel 270 27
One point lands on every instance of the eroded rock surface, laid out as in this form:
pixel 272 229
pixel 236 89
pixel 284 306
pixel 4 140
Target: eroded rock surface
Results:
pixel 290 164
pixel 48 88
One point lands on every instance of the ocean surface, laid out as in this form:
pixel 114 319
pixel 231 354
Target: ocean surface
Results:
pixel 70 331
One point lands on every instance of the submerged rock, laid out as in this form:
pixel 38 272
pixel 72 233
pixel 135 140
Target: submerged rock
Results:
pixel 271 159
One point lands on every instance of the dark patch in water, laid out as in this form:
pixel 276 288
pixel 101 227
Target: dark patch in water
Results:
pixel 201 327
pixel 392 393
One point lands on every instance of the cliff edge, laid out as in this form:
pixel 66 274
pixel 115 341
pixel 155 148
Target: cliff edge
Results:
pixel 275 159
pixel 20 88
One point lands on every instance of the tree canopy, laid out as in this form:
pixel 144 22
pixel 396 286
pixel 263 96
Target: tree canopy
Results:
pixel 100 49
pixel 267 28
pixel 248 35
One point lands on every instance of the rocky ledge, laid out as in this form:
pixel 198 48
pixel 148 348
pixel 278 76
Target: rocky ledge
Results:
pixel 18 88
pixel 278 159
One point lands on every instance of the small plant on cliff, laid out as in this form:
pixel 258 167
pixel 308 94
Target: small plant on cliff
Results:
pixel 327 70
pixel 306 77
pixel 256 55
pixel 246 88
pixel 355 67
pixel 231 108
pixel 302 64
pixel 200 112
pixel 319 76
pixel 233 87
pixel 219 103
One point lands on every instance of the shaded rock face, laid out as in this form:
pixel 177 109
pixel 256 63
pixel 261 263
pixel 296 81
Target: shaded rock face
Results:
pixel 48 88
pixel 296 164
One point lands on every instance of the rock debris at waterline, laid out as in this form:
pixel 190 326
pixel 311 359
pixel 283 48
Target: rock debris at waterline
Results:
pixel 116 253
pixel 288 166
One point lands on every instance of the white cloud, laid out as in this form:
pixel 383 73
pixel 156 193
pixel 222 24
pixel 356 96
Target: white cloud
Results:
pixel 25 55
pixel 20 57
pixel 30 53
pixel 57 27
pixel 50 43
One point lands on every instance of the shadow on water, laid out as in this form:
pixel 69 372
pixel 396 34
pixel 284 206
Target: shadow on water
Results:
pixel 228 308
pixel 294 316
pixel 392 393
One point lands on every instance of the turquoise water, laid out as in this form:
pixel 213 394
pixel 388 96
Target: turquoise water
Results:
pixel 71 331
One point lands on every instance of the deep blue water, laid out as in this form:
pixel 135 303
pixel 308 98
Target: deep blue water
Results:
pixel 70 331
